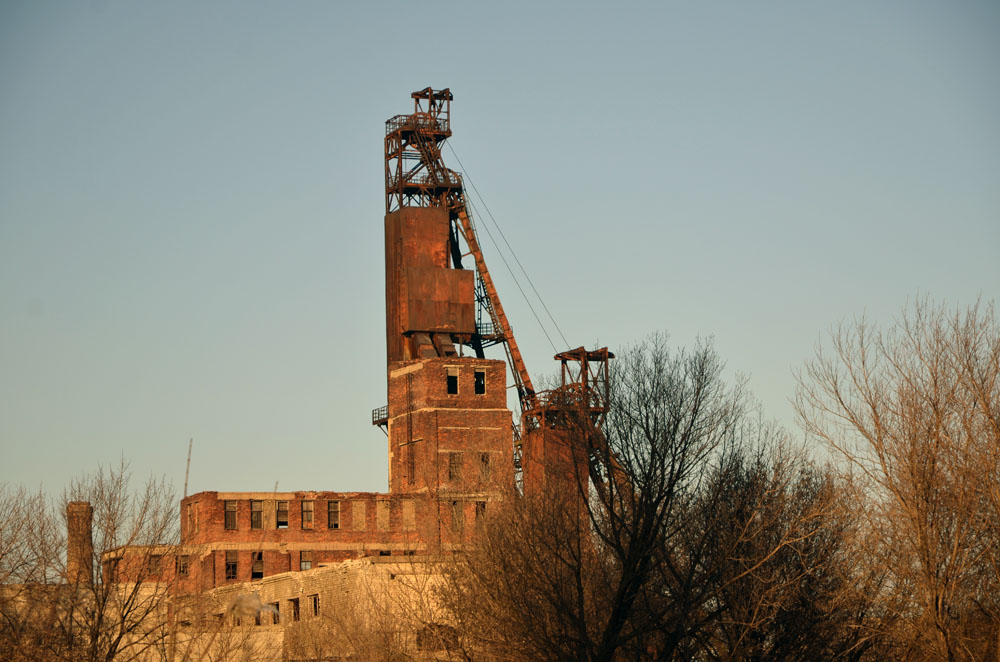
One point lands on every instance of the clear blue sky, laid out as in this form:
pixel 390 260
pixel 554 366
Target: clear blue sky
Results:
pixel 191 202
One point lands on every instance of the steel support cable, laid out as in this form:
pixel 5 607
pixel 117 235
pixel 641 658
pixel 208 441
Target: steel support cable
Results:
pixel 514 278
pixel 509 247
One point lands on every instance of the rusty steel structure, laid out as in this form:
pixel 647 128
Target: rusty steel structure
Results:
pixel 429 231
pixel 416 176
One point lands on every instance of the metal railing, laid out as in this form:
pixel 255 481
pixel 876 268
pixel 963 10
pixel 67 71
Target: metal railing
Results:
pixel 450 178
pixel 380 415
pixel 415 122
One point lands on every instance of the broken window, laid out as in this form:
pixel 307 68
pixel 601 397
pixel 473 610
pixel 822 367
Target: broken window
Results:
pixel 485 470
pixel 230 515
pixel 182 565
pixel 295 608
pixel 305 560
pixel 314 604
pixel 153 563
pixel 480 511
pixel 256 514
pixel 276 614
pixel 333 514
pixel 457 516
pixel 454 466
pixel 307 514
pixel 384 552
pixel 281 516
pixel 256 565
pixel 452 380
pixel 231 564
pixel 480 383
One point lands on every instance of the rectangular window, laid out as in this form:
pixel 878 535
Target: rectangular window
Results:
pixel 153 564
pixel 305 560
pixel 295 608
pixel 231 564
pixel 480 512
pixel 182 565
pixel 231 515
pixel 452 380
pixel 307 514
pixel 480 383
pixel 314 604
pixel 457 516
pixel 256 565
pixel 333 514
pixel 384 552
pixel 256 514
pixel 281 515
pixel 276 614
pixel 454 466
pixel 485 470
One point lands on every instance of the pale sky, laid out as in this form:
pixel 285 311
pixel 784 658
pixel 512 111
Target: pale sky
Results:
pixel 191 202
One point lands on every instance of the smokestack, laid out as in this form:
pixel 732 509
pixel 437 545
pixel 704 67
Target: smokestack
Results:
pixel 79 542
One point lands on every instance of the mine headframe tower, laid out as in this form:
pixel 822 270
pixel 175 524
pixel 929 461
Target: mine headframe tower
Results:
pixel 416 177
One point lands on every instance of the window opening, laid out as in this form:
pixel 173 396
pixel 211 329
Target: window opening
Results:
pixel 276 614
pixel 314 604
pixel 153 565
pixel 307 514
pixel 305 560
pixel 454 466
pixel 231 564
pixel 480 383
pixel 480 510
pixel 295 608
pixel 281 516
pixel 256 565
pixel 485 470
pixel 182 565
pixel 231 515
pixel 333 514
pixel 384 552
pixel 452 380
pixel 457 516
pixel 256 514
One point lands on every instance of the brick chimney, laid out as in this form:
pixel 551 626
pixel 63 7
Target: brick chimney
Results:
pixel 79 542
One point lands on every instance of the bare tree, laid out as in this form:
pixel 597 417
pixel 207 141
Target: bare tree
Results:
pixel 693 536
pixel 914 412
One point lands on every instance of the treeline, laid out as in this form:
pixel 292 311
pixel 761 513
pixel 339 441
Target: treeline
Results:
pixel 707 534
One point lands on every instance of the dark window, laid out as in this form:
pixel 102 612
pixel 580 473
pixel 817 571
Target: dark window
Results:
pixel 281 517
pixel 485 470
pixel 384 552
pixel 314 604
pixel 480 510
pixel 256 514
pixel 295 608
pixel 307 514
pixel 454 466
pixel 231 564
pixel 480 382
pixel 333 514
pixel 305 560
pixel 276 614
pixel 153 564
pixel 182 565
pixel 257 565
pixel 231 515
pixel 452 380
